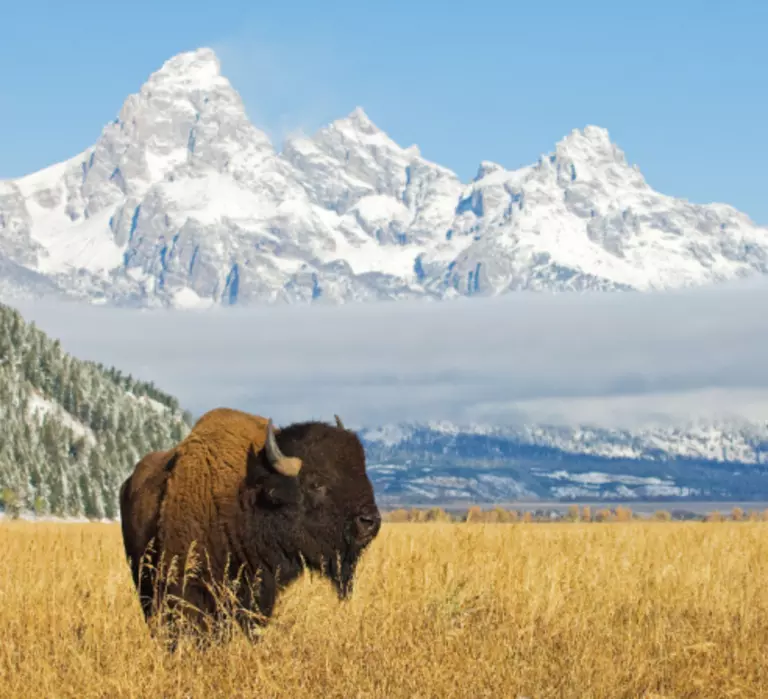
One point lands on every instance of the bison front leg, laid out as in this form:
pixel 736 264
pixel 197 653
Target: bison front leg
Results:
pixel 256 603
pixel 187 613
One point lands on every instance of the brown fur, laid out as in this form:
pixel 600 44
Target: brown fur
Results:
pixel 210 465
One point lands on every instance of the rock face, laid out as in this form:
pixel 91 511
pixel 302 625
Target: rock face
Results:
pixel 183 202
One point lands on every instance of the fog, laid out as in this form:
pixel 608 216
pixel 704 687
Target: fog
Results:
pixel 620 359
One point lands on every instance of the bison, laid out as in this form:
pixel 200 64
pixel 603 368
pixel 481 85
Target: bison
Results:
pixel 257 503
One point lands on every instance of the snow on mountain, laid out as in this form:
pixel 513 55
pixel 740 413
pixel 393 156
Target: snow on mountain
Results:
pixel 742 442
pixel 447 463
pixel 183 202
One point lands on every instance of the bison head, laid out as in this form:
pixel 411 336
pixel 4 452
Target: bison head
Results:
pixel 312 478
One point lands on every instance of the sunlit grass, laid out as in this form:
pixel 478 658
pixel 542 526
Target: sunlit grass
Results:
pixel 635 609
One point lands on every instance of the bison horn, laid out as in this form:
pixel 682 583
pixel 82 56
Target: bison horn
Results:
pixel 339 423
pixel 284 465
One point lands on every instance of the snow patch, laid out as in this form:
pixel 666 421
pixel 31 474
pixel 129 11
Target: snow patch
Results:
pixel 87 245
pixel 186 298
pixel 39 407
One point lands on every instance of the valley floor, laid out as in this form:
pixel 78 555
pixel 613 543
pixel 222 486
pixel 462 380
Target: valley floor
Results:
pixel 637 609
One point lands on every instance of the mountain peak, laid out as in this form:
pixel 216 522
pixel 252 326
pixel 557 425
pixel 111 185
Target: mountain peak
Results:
pixel 486 167
pixel 597 136
pixel 189 69
pixel 592 143
pixel 358 115
pixel 357 120
pixel 186 114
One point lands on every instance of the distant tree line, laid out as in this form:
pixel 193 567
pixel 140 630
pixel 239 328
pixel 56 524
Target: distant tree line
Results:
pixel 500 515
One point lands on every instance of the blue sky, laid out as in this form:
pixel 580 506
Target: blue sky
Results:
pixel 681 86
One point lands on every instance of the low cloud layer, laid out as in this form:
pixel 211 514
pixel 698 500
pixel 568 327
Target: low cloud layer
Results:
pixel 618 359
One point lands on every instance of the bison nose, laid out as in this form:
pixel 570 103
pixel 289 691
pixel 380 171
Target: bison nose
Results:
pixel 367 525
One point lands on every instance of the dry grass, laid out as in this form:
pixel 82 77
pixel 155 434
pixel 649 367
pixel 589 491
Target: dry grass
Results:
pixel 441 610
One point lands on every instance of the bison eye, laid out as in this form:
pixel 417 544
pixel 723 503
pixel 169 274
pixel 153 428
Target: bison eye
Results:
pixel 317 492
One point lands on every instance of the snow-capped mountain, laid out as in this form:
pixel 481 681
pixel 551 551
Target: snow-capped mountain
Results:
pixel 182 201
pixel 445 463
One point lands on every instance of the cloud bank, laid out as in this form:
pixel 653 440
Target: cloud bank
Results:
pixel 612 359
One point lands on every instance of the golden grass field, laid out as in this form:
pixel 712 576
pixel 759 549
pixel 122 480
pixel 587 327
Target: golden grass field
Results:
pixel 635 609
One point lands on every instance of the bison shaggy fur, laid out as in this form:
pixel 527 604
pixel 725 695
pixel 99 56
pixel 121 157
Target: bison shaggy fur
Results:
pixel 251 502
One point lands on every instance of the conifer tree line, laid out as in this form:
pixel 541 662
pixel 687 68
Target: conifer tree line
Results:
pixel 71 430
